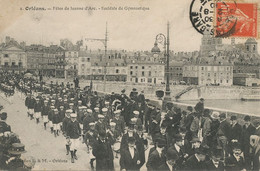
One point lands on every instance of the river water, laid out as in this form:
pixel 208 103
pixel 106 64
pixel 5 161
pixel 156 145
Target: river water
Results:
pixel 251 107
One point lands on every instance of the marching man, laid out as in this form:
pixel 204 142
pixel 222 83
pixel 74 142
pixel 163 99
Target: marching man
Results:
pixel 45 112
pixel 37 110
pixel 74 132
pixel 29 103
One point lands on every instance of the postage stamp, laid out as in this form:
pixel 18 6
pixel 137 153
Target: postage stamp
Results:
pixel 226 18
pixel 234 19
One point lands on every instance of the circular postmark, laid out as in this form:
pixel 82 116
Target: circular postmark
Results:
pixel 202 15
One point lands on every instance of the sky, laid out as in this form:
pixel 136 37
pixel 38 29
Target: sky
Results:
pixel 129 30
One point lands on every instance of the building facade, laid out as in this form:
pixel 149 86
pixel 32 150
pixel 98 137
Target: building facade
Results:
pixel 208 74
pixel 13 57
pixel 71 58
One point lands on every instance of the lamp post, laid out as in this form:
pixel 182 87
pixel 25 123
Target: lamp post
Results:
pixel 162 39
pixel 104 41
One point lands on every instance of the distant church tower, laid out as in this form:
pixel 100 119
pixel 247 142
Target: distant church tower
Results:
pixel 251 46
pixel 233 41
pixel 209 44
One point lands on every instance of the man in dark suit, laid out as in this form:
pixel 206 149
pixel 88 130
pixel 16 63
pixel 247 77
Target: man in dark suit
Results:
pixel 130 157
pixel 196 161
pixel 103 152
pixel 177 149
pixel 236 160
pixel 214 164
pixel 157 159
pixel 247 130
pixel 3 125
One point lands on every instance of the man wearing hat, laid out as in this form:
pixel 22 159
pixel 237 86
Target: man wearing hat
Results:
pixel 37 110
pixel 90 137
pixel 45 112
pixel 102 150
pixel 197 161
pixel 171 157
pixel 200 106
pixel 3 125
pixel 56 122
pixel 177 149
pixel 247 130
pixel 215 162
pixel 130 133
pixel 101 125
pixel 195 143
pixel 223 133
pixel 74 132
pixel 29 103
pixel 130 158
pixel 235 130
pixel 157 159
pixel 15 161
pixel 88 119
pixel 133 94
pixel 236 160
pixel 212 138
pixel 120 124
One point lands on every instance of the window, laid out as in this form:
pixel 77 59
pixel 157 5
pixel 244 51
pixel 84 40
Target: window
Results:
pixel 215 74
pixel 136 67
pixel 227 81
pixel 82 60
pixel 150 73
pixel 6 63
pixel 149 80
pixel 142 67
pixel 131 67
pixel 202 68
pixel 6 55
pixel 142 73
pixel 99 70
pixel 117 70
pixel 131 72
pixel 88 59
pixel 220 81
pixel 13 63
pixel 208 74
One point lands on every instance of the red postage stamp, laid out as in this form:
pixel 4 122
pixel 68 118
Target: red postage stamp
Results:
pixel 234 19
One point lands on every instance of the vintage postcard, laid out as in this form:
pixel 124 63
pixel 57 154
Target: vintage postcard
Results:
pixel 130 85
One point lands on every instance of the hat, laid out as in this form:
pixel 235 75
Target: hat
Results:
pixel 112 124
pixel 222 115
pixel 52 100
pixel 178 137
pixel 101 116
pixel 55 110
pixel 52 107
pixel 84 107
pixel 79 101
pixel 71 104
pixel 102 134
pixel 117 112
pixel 61 106
pixel 247 118
pixel 195 139
pixel 106 102
pixel 236 145
pixel 45 101
pixel 123 91
pixel 104 110
pixel 233 117
pixel 60 98
pixel 215 115
pixel 89 110
pixel 91 124
pixel 133 121
pixel 3 116
pixel 96 109
pixel 216 152
pixel 69 111
pixel 65 100
pixel 161 143
pixel 17 149
pixel 73 115
pixel 136 112
pixel 201 99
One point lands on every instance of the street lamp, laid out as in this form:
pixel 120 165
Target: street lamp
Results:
pixel 162 39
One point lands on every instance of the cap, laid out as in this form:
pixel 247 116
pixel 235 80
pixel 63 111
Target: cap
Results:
pixel 202 99
pixel 45 101
pixel 71 104
pixel 202 150
pixel 69 111
pixel 104 110
pixel 131 140
pixel 178 137
pixel 89 110
pixel 112 124
pixel 136 112
pixel 52 107
pixel 91 124
pixel 171 154
pixel 117 112
pixel 106 102
pixel 161 143
pixel 195 139
pixel 96 109
pixel 80 101
pixel 73 115
pixel 55 110
pixel 123 91
pixel 101 116
pixel 61 106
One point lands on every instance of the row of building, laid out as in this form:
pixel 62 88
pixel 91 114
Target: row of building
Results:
pixel 215 63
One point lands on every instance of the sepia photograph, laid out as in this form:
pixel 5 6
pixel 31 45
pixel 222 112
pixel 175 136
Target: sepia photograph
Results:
pixel 139 85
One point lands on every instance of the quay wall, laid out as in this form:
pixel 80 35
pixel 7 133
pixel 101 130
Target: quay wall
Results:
pixel 207 92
